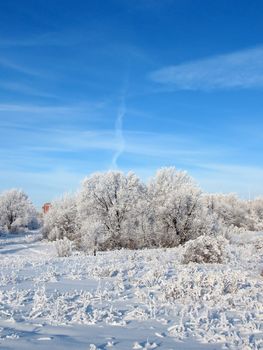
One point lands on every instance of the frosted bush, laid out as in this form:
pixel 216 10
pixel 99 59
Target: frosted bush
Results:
pixel 205 249
pixel 64 247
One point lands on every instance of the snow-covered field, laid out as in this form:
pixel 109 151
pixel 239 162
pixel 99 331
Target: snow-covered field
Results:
pixel 129 299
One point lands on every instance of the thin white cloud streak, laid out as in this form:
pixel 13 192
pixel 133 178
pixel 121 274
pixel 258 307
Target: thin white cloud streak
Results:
pixel 63 38
pixel 24 89
pixel 47 39
pixel 119 125
pixel 241 69
pixel 89 109
pixel 7 63
pixel 119 133
pixel 34 108
pixel 136 143
pixel 48 144
pixel 142 144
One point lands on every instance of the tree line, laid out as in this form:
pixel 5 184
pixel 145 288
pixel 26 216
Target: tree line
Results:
pixel 113 210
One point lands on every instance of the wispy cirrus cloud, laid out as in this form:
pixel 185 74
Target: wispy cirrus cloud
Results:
pixel 87 107
pixel 137 144
pixel 122 110
pixel 49 140
pixel 24 89
pixel 59 39
pixel 23 108
pixel 240 69
pixel 20 68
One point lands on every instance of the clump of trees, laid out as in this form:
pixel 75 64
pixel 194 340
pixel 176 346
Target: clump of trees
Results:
pixel 17 213
pixel 114 210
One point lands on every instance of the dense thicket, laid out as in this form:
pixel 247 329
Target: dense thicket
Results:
pixel 114 210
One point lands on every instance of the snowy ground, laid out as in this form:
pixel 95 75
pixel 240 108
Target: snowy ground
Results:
pixel 129 299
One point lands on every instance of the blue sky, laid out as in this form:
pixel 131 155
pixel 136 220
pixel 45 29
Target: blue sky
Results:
pixel 133 85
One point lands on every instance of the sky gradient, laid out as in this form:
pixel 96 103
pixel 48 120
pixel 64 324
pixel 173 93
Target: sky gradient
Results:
pixel 132 85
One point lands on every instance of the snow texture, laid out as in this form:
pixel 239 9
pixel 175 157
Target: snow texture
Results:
pixel 123 300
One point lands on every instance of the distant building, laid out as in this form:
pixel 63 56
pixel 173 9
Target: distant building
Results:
pixel 46 207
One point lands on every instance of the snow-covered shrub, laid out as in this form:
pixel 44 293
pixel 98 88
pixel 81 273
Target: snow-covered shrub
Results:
pixel 17 213
pixel 111 201
pixel 64 247
pixel 205 249
pixel 179 213
pixel 60 221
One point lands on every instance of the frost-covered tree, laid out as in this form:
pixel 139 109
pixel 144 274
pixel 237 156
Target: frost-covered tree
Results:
pixel 61 219
pixel 178 210
pixel 230 209
pixel 108 209
pixel 16 211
